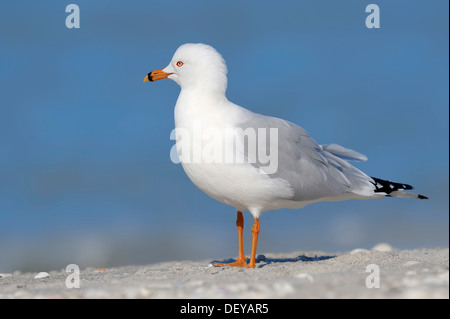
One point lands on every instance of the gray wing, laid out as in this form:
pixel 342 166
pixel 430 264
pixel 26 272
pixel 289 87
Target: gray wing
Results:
pixel 314 171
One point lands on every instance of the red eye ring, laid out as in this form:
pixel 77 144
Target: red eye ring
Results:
pixel 179 64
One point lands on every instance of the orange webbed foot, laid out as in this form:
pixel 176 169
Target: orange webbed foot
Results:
pixel 240 262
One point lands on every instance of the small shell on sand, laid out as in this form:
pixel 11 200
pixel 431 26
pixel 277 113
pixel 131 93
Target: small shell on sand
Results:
pixel 383 247
pixel 42 275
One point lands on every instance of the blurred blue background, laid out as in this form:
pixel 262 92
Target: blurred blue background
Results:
pixel 85 172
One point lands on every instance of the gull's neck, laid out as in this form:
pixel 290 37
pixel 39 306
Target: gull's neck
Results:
pixel 196 104
pixel 199 97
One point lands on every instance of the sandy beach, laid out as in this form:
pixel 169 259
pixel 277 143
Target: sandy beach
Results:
pixel 391 273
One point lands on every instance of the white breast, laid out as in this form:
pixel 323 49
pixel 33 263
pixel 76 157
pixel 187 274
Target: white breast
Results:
pixel 237 184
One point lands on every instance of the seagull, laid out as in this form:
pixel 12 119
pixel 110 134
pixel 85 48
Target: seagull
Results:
pixel 299 171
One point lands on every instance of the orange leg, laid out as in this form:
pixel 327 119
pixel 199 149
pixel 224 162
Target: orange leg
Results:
pixel 241 261
pixel 255 232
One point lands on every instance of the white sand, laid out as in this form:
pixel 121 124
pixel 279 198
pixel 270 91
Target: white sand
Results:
pixel 421 273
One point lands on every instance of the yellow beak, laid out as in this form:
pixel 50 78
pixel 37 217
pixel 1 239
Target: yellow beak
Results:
pixel 156 75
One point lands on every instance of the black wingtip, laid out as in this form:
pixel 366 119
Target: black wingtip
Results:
pixel 388 187
pixel 385 186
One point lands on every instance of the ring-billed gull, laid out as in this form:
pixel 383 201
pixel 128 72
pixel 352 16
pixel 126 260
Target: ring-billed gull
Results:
pixel 251 161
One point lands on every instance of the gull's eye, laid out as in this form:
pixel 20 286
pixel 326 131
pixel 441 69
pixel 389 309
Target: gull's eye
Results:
pixel 179 64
